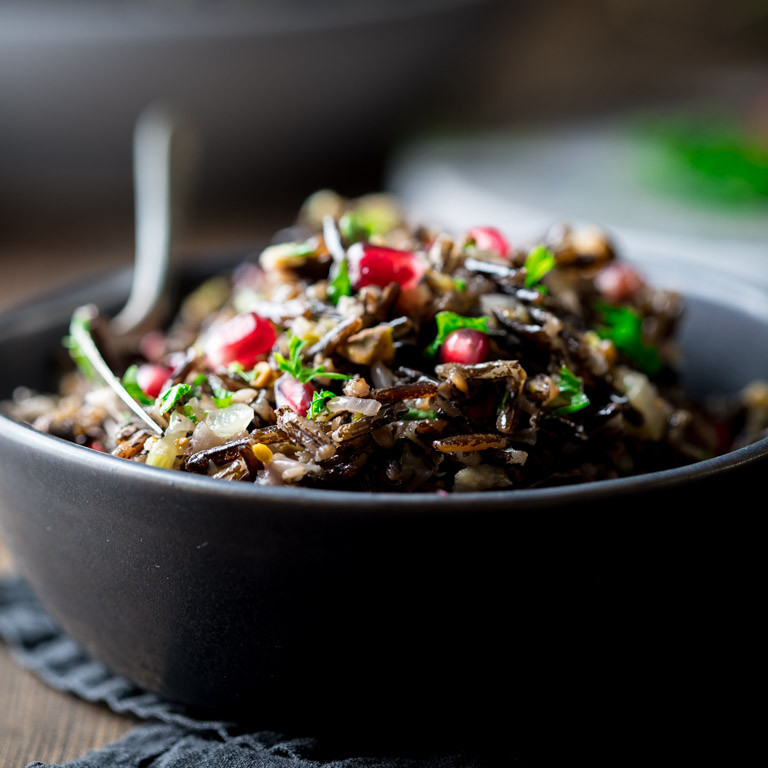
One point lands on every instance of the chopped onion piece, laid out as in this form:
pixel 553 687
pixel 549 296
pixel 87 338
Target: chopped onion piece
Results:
pixel 366 406
pixel 230 421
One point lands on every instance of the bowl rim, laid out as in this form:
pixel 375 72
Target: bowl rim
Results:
pixel 285 497
pixel 550 497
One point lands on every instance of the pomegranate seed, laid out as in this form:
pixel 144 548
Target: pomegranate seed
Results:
pixel 243 339
pixel 490 239
pixel 291 392
pixel 618 282
pixel 465 345
pixel 151 377
pixel 377 265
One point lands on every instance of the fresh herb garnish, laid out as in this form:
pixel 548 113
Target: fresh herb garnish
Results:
pixel 416 414
pixel 624 327
pixel 237 369
pixel 447 322
pixel 571 392
pixel 539 261
pixel 339 285
pixel 297 369
pixel 189 412
pixel 171 396
pixel 368 219
pixel 221 397
pixel 318 404
pixel 460 284
pixel 132 387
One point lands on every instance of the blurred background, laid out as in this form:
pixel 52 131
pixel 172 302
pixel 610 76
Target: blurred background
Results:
pixel 644 116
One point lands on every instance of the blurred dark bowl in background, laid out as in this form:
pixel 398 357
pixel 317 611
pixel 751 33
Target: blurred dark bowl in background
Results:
pixel 282 91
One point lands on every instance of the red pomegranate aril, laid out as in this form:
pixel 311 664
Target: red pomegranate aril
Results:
pixel 151 378
pixel 465 345
pixel 490 239
pixel 244 339
pixel 294 394
pixel 378 265
pixel 618 282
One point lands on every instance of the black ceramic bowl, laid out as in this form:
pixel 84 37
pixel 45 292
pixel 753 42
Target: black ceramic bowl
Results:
pixel 633 600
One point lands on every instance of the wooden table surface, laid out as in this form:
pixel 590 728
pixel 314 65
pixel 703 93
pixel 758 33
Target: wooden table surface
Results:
pixel 37 722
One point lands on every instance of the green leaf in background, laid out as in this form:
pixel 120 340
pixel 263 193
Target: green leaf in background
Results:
pixel 709 158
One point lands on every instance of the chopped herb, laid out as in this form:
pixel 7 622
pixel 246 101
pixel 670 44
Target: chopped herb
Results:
pixel 416 414
pixel 571 391
pixel 538 262
pixel 624 327
pixel 447 322
pixel 236 369
pixel 503 402
pixel 221 397
pixel 189 412
pixel 132 386
pixel 318 404
pixel 367 220
pixel 340 284
pixel 297 369
pixel 460 284
pixel 171 396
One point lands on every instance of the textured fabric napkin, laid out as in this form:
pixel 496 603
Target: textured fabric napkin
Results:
pixel 172 737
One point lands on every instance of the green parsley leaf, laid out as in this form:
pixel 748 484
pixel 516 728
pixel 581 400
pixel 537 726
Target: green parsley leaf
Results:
pixel 236 369
pixel 317 406
pixel 571 391
pixel 416 414
pixel 340 284
pixel 297 369
pixel 460 284
pixel 368 219
pixel 171 396
pixel 221 397
pixel 447 322
pixel 132 387
pixel 189 412
pixel 624 327
pixel 538 262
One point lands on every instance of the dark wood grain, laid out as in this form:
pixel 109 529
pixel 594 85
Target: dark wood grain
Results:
pixel 38 723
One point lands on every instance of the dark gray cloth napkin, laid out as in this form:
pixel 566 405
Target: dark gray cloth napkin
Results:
pixel 172 737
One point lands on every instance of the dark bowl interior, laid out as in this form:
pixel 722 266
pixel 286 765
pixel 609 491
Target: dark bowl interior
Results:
pixel 613 605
